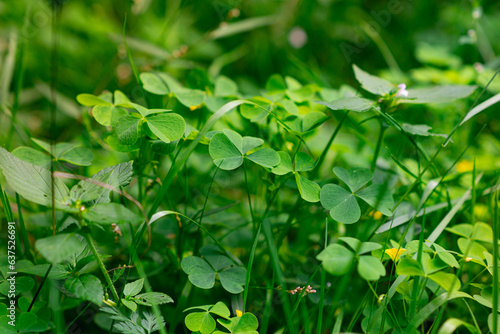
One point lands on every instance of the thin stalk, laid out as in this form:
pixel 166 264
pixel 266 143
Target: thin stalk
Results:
pixel 495 264
pixel 379 144
pixel 104 271
pixel 329 144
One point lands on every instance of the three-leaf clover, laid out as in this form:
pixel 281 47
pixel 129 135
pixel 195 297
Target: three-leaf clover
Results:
pixel 157 122
pixel 308 189
pixel 133 297
pixel 204 322
pixel 343 204
pixel 202 271
pixel 105 111
pixel 228 149
pixel 246 324
pixel 337 259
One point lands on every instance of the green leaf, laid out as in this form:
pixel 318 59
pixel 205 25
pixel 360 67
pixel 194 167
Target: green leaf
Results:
pixel 224 152
pixel 309 190
pixel 22 284
pixel 370 268
pixel 220 309
pixel 80 156
pixel 342 204
pixel 482 232
pixel 438 94
pixel 447 281
pixel 360 247
pixel 249 143
pixel 337 259
pixel 379 197
pixel 133 288
pixel 190 97
pixel 108 115
pixel 285 165
pixel 371 83
pixel 408 266
pixel 33 183
pixel 480 107
pixel 32 156
pixel 232 279
pixel 354 178
pixel 152 298
pixel 445 256
pixel 59 247
pixel 57 272
pixel 303 162
pixel 86 287
pixel 265 157
pixel 353 103
pixel 199 271
pixel 200 322
pixel 99 186
pixel 127 129
pixel 225 87
pixel 471 248
pixel 154 83
pixel 130 304
pixel 90 100
pixel 168 127
pixel 420 130
pixel 275 83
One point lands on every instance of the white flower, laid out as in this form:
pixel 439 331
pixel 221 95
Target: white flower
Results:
pixel 402 92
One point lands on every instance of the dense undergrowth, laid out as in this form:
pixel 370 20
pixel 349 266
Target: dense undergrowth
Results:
pixel 174 196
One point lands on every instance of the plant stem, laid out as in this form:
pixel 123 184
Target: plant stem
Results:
pixel 92 247
pixel 379 144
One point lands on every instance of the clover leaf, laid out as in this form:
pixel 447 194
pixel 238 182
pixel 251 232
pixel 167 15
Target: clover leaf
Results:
pixel 105 111
pixel 246 324
pixel 309 190
pixel 204 322
pixel 337 259
pixel 154 122
pixel 343 204
pixel 203 271
pixel 228 149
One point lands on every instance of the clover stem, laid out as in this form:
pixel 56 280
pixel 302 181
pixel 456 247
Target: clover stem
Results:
pixel 92 247
pixel 380 139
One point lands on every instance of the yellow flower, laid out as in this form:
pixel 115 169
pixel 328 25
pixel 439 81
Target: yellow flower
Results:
pixel 239 313
pixel 395 253
pixel 195 107
pixel 376 214
pixel 464 166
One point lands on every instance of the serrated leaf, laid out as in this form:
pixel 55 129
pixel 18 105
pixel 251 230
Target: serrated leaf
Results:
pixel 33 182
pixel 105 180
pixel 438 94
pixel 353 103
pixel 420 130
pixel 59 247
pixel 152 298
pixel 371 83
pixel 86 287
pixel 133 288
